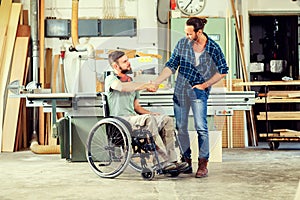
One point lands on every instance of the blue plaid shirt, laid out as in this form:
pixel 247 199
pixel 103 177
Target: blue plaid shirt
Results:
pixel 211 61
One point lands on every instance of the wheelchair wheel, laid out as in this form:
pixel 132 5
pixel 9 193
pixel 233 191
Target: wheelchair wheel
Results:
pixel 142 154
pixel 134 159
pixel 109 147
pixel 148 174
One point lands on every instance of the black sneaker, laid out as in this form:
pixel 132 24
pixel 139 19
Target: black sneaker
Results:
pixel 182 166
pixel 169 166
pixel 189 170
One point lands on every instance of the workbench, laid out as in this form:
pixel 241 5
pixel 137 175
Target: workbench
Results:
pixel 83 110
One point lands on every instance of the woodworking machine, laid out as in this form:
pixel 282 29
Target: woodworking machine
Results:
pixel 220 102
pixel 83 110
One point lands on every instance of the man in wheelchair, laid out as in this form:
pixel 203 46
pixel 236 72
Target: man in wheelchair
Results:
pixel 122 97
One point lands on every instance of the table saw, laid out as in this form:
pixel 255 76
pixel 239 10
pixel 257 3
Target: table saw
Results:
pixel 83 110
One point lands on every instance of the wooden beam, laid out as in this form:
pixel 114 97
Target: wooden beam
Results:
pixel 279 116
pixel 6 59
pixel 13 104
pixel 48 68
pixel 42 67
pixel 4 20
pixel 267 83
pixel 240 43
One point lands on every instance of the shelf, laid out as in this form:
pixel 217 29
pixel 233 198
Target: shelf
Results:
pixel 279 116
pixel 277 100
pixel 267 83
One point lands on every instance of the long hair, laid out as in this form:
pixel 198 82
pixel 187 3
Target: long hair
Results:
pixel 197 23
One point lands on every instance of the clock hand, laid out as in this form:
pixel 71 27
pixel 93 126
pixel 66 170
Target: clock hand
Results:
pixel 188 4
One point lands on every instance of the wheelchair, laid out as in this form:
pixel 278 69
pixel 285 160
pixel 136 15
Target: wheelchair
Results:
pixel 112 145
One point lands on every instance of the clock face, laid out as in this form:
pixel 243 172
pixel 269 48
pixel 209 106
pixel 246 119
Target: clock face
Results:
pixel 190 7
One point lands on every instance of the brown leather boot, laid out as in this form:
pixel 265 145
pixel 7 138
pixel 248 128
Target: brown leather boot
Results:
pixel 189 170
pixel 202 168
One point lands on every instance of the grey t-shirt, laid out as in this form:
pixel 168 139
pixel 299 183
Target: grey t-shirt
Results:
pixel 120 103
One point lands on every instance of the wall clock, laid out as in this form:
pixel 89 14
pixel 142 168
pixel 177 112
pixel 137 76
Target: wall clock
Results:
pixel 191 7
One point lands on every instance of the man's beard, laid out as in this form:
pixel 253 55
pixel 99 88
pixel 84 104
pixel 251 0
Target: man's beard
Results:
pixel 195 39
pixel 126 71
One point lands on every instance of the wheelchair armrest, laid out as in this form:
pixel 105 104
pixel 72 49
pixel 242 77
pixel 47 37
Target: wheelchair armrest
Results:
pixel 105 106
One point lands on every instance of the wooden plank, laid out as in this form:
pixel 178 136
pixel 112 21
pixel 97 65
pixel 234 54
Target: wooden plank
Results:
pixel 48 68
pixel 269 134
pixel 284 130
pixel 281 114
pixel 6 59
pixel 54 75
pixel 13 104
pixel 290 134
pixel 25 17
pixel 267 83
pixel 5 9
pixel 21 137
pixel 23 31
pixel 240 43
pixel 24 125
pixel 285 93
pixel 42 68
pixel 276 100
pixel 19 131
pixel 62 74
pixel 294 95
pixel 277 118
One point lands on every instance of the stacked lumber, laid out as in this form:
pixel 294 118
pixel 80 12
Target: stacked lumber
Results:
pixel 14 65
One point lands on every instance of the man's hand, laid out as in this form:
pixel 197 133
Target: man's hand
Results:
pixel 202 86
pixel 152 87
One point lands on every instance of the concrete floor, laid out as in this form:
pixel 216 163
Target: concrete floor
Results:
pixel 250 173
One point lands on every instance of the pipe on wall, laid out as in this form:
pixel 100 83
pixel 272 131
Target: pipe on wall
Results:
pixel 74 33
pixel 34 146
pixel 35 56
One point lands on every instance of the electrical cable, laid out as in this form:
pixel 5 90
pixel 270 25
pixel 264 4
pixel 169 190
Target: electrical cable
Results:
pixel 157 14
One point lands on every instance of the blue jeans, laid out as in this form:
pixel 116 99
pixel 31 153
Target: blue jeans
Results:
pixel 198 103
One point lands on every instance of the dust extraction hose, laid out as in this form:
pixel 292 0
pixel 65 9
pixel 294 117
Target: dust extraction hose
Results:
pixel 44 149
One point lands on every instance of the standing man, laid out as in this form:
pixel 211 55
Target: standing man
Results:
pixel 122 97
pixel 200 64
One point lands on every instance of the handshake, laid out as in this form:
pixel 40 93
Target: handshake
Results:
pixel 151 86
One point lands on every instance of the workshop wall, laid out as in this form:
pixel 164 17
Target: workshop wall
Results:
pixel 152 36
